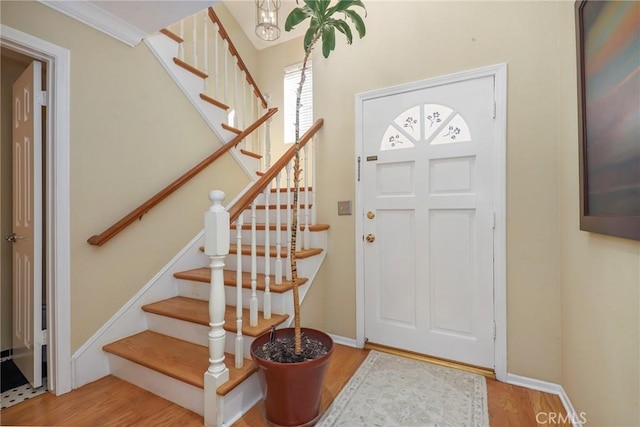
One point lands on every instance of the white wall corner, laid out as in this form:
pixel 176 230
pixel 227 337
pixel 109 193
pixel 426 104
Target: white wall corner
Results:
pixel 576 419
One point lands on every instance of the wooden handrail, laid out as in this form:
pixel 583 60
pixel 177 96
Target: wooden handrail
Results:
pixel 223 33
pixel 137 213
pixel 257 188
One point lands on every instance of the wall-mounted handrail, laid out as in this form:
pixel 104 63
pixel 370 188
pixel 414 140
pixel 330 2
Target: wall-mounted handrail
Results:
pixel 137 213
pixel 223 33
pixel 257 188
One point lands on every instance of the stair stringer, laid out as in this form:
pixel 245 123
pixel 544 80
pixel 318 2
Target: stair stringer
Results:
pixel 165 49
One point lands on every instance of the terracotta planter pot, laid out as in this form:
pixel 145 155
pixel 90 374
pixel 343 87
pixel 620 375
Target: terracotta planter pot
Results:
pixel 292 391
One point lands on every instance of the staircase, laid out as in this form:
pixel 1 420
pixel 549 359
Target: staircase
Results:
pixel 192 346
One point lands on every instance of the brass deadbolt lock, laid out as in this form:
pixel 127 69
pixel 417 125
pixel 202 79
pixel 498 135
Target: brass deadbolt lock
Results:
pixel 370 238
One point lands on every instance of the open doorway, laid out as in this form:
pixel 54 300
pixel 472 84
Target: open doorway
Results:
pixel 22 284
pixel 55 230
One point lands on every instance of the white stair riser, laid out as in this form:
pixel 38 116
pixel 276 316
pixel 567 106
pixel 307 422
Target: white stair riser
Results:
pixel 199 290
pixel 273 215
pixel 317 239
pixel 283 198
pixel 303 264
pixel 178 392
pixel 193 333
pixel 241 398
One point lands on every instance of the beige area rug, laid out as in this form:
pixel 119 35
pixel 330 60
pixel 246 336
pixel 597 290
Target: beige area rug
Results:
pixel 394 391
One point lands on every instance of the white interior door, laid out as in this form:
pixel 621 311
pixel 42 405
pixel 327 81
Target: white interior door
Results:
pixel 27 223
pixel 427 196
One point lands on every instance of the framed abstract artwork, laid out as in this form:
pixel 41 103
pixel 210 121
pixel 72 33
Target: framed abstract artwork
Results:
pixel 608 47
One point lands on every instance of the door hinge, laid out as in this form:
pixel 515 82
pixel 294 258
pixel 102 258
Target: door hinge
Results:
pixel 43 98
pixel 43 337
pixel 494 330
pixel 494 109
pixel 493 220
pixel 359 168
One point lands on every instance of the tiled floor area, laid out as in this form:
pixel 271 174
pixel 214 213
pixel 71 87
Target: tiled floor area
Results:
pixel 20 394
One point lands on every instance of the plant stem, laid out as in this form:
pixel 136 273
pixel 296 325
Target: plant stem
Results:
pixel 296 190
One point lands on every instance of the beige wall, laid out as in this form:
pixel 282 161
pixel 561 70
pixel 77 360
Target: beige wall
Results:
pixel 409 41
pixel 132 132
pixel 600 283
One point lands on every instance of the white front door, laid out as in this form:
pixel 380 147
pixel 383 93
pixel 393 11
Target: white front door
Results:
pixel 427 196
pixel 27 223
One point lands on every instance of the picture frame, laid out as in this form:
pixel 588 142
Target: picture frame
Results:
pixel 608 59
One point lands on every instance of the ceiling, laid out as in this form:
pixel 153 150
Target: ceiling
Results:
pixel 244 11
pixel 131 21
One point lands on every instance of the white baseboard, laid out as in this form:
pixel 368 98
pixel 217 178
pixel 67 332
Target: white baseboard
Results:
pixel 348 342
pixel 575 418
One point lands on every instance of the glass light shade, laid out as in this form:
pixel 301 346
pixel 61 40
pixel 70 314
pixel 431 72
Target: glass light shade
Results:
pixel 267 19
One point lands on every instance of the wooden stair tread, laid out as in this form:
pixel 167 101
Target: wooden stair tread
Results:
pixel 213 101
pixel 246 250
pixel 204 275
pixel 180 63
pixel 231 129
pixel 197 311
pixel 173 36
pixel 284 190
pixel 283 227
pixel 283 206
pixel 251 154
pixel 177 359
pixel 260 251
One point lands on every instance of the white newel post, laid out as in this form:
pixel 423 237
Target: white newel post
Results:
pixel 216 247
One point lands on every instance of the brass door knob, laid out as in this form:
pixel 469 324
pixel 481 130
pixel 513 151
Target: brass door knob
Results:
pixel 370 215
pixel 370 238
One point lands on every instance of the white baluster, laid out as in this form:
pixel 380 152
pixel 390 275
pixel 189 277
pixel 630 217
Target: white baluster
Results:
pixel 288 265
pixel 267 141
pixel 205 47
pixel 216 70
pixel 235 91
pixel 253 302
pixel 314 212
pixel 181 45
pixel 239 359
pixel 216 247
pixel 194 42
pixel 243 116
pixel 278 233
pixel 256 135
pixel 307 233
pixel 267 259
pixel 258 131
pixel 226 72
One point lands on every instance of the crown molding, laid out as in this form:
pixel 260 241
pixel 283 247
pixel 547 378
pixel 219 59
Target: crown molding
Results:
pixel 98 18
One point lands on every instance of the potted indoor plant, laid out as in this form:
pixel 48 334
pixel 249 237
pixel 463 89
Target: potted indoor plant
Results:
pixel 292 362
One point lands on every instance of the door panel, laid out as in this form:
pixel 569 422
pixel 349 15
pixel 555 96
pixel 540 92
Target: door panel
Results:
pixel 428 178
pixel 27 224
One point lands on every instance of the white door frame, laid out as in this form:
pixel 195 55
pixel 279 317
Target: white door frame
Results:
pixel 56 216
pixel 499 72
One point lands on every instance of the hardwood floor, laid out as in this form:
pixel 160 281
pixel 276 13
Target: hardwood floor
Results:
pixel 113 402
